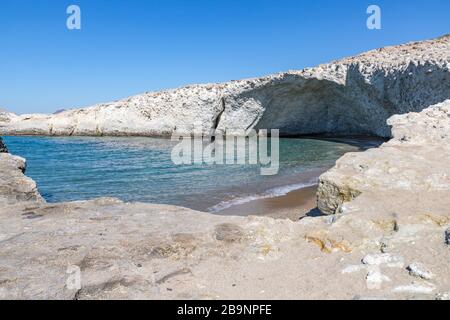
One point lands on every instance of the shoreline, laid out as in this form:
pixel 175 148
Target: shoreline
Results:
pixel 208 195
pixel 284 198
pixel 294 205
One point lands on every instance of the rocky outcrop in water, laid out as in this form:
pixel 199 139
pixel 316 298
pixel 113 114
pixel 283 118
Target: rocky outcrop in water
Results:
pixel 350 96
pixel 2 146
pixel 14 185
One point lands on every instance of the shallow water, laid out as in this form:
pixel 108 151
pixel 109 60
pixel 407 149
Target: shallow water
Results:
pixel 140 169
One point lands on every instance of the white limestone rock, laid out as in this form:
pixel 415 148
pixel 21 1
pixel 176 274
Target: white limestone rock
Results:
pixel 415 288
pixel 411 164
pixel 350 96
pixel 375 279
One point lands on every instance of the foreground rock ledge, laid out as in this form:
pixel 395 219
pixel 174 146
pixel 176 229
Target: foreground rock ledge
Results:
pixel 398 221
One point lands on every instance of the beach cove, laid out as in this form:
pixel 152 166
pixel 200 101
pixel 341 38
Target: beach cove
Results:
pixel 383 229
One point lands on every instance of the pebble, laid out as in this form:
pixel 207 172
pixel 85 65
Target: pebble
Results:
pixel 418 270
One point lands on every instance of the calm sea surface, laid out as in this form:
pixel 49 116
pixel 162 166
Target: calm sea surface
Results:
pixel 140 169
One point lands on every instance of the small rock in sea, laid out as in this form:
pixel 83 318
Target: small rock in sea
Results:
pixel 420 271
pixel 383 259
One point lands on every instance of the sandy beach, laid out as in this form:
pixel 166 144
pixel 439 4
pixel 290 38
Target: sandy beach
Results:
pixel 294 205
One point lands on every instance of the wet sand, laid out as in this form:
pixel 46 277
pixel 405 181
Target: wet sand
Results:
pixel 295 205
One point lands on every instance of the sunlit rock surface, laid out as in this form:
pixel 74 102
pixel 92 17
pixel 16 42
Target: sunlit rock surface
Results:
pixel 14 186
pixel 411 168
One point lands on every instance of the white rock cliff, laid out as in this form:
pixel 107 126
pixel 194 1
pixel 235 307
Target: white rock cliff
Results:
pixel 350 96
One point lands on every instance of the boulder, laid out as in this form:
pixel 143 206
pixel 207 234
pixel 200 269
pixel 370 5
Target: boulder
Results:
pixel 15 187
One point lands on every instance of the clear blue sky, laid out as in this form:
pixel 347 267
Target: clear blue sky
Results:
pixel 126 47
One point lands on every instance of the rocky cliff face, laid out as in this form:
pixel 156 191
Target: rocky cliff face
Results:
pixel 349 96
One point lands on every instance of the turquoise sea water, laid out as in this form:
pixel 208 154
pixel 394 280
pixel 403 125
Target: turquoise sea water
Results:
pixel 140 169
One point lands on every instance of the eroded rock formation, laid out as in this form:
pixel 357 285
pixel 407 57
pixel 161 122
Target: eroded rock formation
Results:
pixel 390 242
pixel 350 96
pixel 412 165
